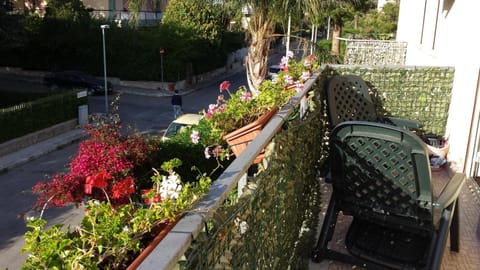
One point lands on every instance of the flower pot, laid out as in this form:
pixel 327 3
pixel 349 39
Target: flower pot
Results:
pixel 240 138
pixel 160 231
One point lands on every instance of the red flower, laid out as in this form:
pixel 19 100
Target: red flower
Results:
pixel 98 180
pixel 89 184
pixel 123 188
pixel 225 85
pixel 151 196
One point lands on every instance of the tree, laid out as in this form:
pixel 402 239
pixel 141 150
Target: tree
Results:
pixel 264 16
pixel 377 24
pixel 135 6
pixel 67 10
pixel 199 17
pixel 339 11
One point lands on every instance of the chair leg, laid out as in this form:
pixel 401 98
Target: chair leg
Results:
pixel 326 233
pixel 455 229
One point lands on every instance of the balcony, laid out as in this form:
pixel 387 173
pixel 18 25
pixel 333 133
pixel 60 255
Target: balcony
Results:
pixel 267 216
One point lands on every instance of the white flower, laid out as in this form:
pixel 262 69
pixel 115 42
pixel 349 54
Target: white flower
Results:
pixel 243 227
pixel 170 187
pixel 207 153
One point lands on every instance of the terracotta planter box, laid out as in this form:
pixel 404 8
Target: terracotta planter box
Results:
pixel 161 230
pixel 240 138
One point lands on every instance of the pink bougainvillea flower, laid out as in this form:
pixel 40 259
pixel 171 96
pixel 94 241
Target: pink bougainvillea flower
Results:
pixel 290 54
pixel 195 137
pixel 246 96
pixel 123 188
pixel 307 63
pixel 312 57
pixel 225 85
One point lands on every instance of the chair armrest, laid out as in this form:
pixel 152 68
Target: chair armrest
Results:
pixel 404 122
pixel 451 191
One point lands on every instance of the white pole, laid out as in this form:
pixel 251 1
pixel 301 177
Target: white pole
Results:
pixel 288 35
pixel 328 28
pixel 312 39
pixel 105 26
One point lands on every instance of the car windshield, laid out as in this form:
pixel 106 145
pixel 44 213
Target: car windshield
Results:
pixel 173 129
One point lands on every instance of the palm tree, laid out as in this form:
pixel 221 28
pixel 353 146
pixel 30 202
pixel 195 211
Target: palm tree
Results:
pixel 338 11
pixel 264 16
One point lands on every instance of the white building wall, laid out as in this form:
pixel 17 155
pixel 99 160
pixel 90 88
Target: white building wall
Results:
pixel 441 33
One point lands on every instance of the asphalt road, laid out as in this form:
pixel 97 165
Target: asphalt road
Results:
pixel 145 113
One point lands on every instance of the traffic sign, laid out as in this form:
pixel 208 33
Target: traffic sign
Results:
pixel 162 51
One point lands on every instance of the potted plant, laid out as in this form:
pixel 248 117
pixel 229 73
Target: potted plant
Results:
pixel 105 150
pixel 112 236
pixel 238 118
pixel 125 209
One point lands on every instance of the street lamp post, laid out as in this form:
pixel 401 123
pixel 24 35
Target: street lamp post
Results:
pixel 162 52
pixel 105 26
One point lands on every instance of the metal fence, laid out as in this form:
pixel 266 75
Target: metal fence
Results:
pixel 145 18
pixel 375 52
pixel 28 117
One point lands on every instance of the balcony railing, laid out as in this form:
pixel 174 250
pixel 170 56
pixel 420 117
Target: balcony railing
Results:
pixel 268 218
pixel 145 18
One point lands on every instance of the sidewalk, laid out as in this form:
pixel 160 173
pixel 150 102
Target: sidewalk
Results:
pixel 9 161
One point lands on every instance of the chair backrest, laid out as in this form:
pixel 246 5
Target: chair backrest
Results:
pixel 348 99
pixel 381 171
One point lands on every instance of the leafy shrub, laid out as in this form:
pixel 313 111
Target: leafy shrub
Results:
pixel 108 155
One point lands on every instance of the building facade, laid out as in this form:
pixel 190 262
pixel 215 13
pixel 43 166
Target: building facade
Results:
pixel 438 34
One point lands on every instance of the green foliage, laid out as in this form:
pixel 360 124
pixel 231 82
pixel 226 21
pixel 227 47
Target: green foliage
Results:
pixel 376 25
pixel 109 237
pixel 66 39
pixel 10 98
pixel 135 6
pixel 272 226
pixel 421 94
pixel 67 11
pixel 234 110
pixel 39 114
pixel 199 18
pixel 192 156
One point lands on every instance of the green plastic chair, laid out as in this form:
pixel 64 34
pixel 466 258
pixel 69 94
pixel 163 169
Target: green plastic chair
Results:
pixel 381 177
pixel 348 99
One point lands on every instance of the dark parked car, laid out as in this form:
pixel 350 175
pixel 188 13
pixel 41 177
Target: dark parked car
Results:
pixel 72 79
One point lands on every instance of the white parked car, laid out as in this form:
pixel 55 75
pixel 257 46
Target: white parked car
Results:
pixel 180 124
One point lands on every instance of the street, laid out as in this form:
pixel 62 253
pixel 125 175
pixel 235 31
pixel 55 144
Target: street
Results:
pixel 144 113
